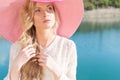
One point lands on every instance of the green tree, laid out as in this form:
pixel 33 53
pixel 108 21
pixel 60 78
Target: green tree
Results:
pixel 89 6
pixel 106 3
pixel 93 4
pixel 116 3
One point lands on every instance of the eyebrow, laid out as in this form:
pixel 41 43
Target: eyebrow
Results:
pixel 50 5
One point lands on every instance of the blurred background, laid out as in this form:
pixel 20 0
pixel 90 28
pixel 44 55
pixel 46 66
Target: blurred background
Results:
pixel 97 40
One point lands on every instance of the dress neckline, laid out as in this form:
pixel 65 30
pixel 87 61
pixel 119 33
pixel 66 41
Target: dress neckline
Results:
pixel 52 44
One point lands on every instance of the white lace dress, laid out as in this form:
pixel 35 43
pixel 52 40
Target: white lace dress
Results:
pixel 62 50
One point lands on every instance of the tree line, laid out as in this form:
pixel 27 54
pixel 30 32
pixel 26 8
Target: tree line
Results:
pixel 94 4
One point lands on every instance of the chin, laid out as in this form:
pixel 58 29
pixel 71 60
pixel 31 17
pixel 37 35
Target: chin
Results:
pixel 48 26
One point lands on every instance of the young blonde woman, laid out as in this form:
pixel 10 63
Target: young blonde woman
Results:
pixel 40 53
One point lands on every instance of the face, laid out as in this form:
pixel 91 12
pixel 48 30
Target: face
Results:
pixel 44 16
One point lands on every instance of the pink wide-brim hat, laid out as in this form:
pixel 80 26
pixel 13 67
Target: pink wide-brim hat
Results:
pixel 70 13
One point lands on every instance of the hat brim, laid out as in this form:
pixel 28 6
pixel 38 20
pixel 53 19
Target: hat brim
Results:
pixel 71 13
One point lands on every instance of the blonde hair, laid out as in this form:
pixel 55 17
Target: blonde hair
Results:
pixel 28 29
pixel 31 70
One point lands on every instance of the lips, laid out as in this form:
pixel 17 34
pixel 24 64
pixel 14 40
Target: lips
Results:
pixel 47 20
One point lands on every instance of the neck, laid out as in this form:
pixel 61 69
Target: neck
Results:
pixel 45 38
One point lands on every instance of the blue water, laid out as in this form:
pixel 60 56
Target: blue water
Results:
pixel 4 57
pixel 98 47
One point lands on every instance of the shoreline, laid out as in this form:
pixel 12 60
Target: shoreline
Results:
pixel 0 36
pixel 102 15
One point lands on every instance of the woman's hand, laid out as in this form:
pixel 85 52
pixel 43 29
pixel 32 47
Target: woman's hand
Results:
pixel 46 61
pixel 24 55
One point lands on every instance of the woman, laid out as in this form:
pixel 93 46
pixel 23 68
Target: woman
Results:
pixel 40 53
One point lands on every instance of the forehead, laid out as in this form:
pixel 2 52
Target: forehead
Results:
pixel 43 4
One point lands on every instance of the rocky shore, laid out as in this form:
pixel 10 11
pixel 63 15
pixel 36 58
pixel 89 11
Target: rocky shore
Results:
pixel 102 15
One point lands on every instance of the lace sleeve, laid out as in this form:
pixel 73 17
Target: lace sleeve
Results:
pixel 15 48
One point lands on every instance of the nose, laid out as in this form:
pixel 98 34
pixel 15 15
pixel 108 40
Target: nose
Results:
pixel 45 13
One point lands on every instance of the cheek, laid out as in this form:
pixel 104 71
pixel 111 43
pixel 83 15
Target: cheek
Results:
pixel 37 20
pixel 53 18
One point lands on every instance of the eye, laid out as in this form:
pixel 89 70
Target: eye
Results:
pixel 37 10
pixel 50 9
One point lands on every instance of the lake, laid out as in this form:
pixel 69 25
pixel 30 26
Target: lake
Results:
pixel 98 47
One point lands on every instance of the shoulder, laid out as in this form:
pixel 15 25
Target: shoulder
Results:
pixel 66 41
pixel 16 46
pixel 68 46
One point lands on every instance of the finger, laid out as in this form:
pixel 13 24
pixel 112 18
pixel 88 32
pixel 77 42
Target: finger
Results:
pixel 42 54
pixel 42 60
pixel 41 64
pixel 31 50
pixel 27 55
pixel 41 57
pixel 29 46
pixel 32 55
pixel 46 55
